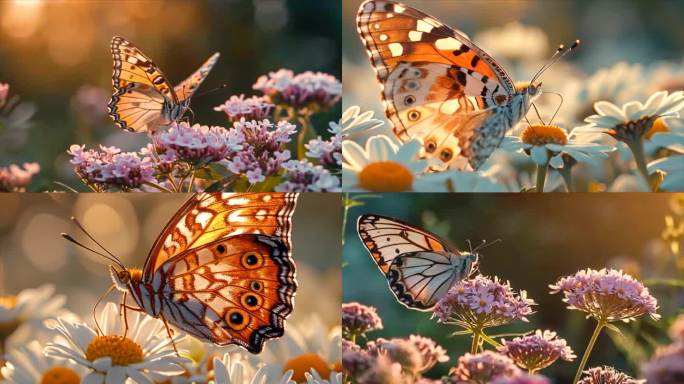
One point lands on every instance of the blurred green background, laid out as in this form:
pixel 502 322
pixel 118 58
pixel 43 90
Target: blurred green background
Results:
pixel 50 50
pixel 542 239
pixel 33 253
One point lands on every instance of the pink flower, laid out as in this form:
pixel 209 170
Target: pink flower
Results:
pixel 607 295
pixel 302 176
pixel 400 351
pixel 239 107
pixel 482 368
pixel 522 379
pixel 481 302
pixel 359 319
pixel 327 152
pixel 15 179
pixel 666 366
pixel 109 169
pixel 262 148
pixel 313 90
pixel 608 375
pixel 537 351
pixel 198 144
pixel 4 93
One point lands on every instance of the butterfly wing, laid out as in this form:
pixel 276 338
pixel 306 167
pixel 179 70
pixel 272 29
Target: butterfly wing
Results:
pixel 140 89
pixel 436 84
pixel 419 279
pixel 387 238
pixel 187 87
pixel 207 217
pixel 236 290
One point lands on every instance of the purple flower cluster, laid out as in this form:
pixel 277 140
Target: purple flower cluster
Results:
pixel 482 368
pixel 327 152
pixel 432 352
pixel 607 375
pixel 198 144
pixel 607 295
pixel 359 319
pixel 313 90
pixel 4 93
pixel 522 379
pixel 537 351
pixel 262 152
pixel 110 168
pixel 15 178
pixel 482 302
pixel 239 107
pixel 666 366
pixel 303 176
pixel 416 354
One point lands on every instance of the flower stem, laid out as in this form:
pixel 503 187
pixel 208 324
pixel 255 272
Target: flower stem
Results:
pixel 475 345
pixel 345 214
pixel 587 352
pixel 637 148
pixel 305 134
pixel 541 176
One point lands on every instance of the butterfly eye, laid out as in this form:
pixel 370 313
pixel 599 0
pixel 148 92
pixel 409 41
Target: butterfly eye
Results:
pixel 251 301
pixel 252 260
pixel 430 146
pixel 446 155
pixel 124 276
pixel 413 115
pixel 237 319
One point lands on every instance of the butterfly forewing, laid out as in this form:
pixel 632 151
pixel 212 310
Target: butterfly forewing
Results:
pixel 187 87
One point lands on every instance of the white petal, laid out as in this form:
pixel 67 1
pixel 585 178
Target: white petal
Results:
pixel 115 375
pixel 93 378
pixel 540 155
pixel 354 155
pixel 633 110
pixel 609 109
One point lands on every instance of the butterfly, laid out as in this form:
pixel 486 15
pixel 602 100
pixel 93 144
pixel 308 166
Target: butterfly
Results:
pixel 143 98
pixel 441 88
pixel 221 270
pixel 418 265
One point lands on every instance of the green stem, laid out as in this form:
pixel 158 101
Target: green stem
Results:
pixel 587 352
pixel 541 176
pixel 156 186
pixel 305 134
pixel 345 214
pixel 475 345
pixel 192 179
pixel 637 148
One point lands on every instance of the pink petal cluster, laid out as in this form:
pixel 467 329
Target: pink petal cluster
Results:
pixel 309 89
pixel 4 93
pixel 607 295
pixel 14 178
pixel 537 351
pixel 522 379
pixel 482 302
pixel 327 152
pixel 482 368
pixel 109 168
pixel 359 319
pixel 239 107
pixel 607 375
pixel 432 352
pixel 262 152
pixel 400 351
pixel 303 176
pixel 666 366
pixel 198 144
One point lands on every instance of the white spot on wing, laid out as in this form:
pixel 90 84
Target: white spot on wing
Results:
pixel 396 49
pixel 448 43
pixel 422 26
pixel 383 37
pixel 415 35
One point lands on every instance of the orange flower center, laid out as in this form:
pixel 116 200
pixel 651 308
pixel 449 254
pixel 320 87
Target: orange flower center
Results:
pixel 304 363
pixel 658 126
pixel 60 375
pixel 8 302
pixel 385 176
pixel 123 351
pixel 539 135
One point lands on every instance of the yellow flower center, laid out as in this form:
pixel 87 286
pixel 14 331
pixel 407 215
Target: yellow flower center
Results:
pixel 60 375
pixel 123 351
pixel 8 302
pixel 539 135
pixel 658 126
pixel 304 363
pixel 386 176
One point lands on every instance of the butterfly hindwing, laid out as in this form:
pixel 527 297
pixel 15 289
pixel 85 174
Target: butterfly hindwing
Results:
pixel 236 290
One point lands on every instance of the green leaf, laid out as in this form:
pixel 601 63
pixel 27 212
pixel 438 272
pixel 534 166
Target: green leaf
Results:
pixel 614 328
pixel 490 341
pixel 461 333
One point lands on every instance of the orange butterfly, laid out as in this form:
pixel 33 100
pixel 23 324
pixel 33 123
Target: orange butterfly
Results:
pixel 143 98
pixel 221 269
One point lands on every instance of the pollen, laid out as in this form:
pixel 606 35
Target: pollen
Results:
pixel 385 176
pixel 539 135
pixel 60 375
pixel 8 302
pixel 123 351
pixel 304 363
pixel 658 127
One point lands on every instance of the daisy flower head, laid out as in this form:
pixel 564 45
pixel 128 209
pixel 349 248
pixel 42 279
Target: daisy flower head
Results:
pixel 537 351
pixel 237 108
pixel 359 319
pixel 481 302
pixel 482 368
pixel 606 295
pixel 28 364
pixel 353 121
pixel 233 368
pixel 145 355
pixel 303 176
pixel 198 144
pixel 312 90
pixel 607 375
pixel 14 178
pixel 262 150
pixel 23 315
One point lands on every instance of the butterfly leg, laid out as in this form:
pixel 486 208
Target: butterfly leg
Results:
pixel 124 309
pixel 169 332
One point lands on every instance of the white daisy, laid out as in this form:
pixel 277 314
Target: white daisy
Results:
pixel 234 369
pixel 22 316
pixel 353 121
pixel 383 166
pixel 198 367
pixel 145 355
pixel 28 364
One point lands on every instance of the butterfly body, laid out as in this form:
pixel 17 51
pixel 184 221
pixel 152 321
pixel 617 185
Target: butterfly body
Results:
pixel 438 86
pixel 221 270
pixel 143 99
pixel 419 266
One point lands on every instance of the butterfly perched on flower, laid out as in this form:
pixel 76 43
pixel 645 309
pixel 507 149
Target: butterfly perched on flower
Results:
pixel 221 270
pixel 418 265
pixel 441 88
pixel 143 98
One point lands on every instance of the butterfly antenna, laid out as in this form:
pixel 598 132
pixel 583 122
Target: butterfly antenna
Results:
pixel 559 105
pixel 559 54
pixel 485 244
pixel 222 86
pixel 109 256
pixel 470 245
pixel 536 111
